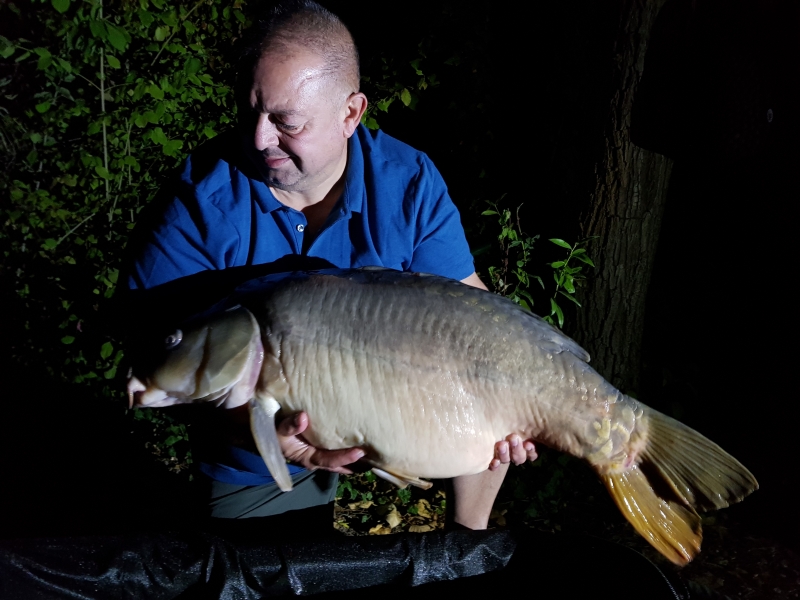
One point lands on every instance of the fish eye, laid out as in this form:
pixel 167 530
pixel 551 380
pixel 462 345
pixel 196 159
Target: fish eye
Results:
pixel 173 339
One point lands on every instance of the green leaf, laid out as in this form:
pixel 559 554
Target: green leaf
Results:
pixel 106 350
pixel 98 29
pixel 568 285
pixel 555 309
pixel 155 91
pixel 61 6
pixel 161 33
pixel 118 37
pixel 158 136
pixel 570 297
pixel 384 105
pixel 171 147
pixel 145 17
pixel 44 62
pixel 561 243
pixel 113 61
pixel 586 260
pixel 7 51
pixel 371 123
pixel 64 65
pixel 405 97
pixel 487 213
pixel 191 66
pixel 110 373
pixel 42 107
pixel 557 264
pixel 103 172
pixel 67 339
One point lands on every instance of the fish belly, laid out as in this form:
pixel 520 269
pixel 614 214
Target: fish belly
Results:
pixel 426 377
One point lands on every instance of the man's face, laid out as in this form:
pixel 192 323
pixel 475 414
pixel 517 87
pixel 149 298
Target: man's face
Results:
pixel 297 123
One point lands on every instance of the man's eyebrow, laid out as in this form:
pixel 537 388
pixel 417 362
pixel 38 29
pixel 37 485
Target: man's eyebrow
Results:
pixel 259 107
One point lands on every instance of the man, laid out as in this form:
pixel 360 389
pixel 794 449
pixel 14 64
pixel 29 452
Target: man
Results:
pixel 304 178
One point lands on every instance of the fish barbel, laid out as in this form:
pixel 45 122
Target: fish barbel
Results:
pixel 426 374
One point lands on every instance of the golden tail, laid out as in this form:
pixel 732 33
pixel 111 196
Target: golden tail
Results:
pixel 678 472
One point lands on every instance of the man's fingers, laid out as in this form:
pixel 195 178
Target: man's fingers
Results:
pixel 501 452
pixel 336 460
pixel 293 425
pixel 530 450
pixel 518 454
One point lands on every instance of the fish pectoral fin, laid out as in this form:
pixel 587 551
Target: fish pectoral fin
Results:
pixel 262 426
pixel 401 481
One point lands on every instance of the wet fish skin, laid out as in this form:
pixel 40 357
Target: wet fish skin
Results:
pixel 427 374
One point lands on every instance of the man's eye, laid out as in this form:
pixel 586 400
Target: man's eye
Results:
pixel 287 126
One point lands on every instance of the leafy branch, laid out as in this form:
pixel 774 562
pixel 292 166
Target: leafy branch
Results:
pixel 566 276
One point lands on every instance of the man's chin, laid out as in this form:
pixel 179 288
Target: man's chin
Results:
pixel 279 179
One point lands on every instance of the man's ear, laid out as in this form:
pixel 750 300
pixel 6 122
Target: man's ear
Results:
pixel 354 110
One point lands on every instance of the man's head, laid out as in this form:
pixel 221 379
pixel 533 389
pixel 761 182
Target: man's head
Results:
pixel 302 102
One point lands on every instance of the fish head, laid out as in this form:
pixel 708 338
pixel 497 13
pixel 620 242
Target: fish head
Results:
pixel 215 359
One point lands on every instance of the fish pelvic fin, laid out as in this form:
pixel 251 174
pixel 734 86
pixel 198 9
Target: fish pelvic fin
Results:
pixel 262 426
pixel 401 481
pixel 676 473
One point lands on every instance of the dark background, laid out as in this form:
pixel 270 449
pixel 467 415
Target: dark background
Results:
pixel 720 328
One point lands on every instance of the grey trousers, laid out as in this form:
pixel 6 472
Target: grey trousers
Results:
pixel 310 488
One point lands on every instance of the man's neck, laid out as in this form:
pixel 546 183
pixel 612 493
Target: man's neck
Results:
pixel 316 203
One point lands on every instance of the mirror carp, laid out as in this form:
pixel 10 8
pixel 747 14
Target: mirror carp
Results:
pixel 426 374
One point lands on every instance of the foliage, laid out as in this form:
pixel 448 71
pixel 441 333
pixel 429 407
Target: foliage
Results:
pixel 103 105
pixel 100 104
pixel 392 83
pixel 567 277
pixel 511 277
pixel 366 504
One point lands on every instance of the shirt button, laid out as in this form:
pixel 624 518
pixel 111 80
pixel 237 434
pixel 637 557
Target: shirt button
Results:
pixel 301 228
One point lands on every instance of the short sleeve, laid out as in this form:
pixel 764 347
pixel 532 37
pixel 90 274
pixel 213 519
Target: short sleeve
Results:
pixel 191 236
pixel 440 245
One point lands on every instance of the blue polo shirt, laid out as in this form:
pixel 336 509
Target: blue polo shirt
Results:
pixel 395 212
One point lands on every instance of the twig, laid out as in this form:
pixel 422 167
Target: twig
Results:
pixel 71 231
pixel 167 41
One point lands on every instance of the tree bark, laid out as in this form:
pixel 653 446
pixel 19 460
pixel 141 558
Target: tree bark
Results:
pixel 624 211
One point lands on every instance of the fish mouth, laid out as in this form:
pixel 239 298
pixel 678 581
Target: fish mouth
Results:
pixel 141 395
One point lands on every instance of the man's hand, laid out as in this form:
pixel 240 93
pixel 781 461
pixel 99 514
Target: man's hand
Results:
pixel 300 452
pixel 513 449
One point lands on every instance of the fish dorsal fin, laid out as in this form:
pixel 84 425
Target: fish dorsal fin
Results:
pixel 552 339
pixel 262 426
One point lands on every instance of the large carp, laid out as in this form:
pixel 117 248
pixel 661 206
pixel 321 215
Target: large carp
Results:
pixel 426 375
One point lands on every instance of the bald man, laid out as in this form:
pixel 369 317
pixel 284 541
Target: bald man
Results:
pixel 302 177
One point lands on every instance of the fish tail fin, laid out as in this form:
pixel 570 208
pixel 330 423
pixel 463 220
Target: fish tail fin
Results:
pixel 671 528
pixel 678 473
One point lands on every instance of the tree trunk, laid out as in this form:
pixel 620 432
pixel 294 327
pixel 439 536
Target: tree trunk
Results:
pixel 625 212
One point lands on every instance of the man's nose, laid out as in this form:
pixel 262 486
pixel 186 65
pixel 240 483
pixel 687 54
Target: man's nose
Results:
pixel 266 133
